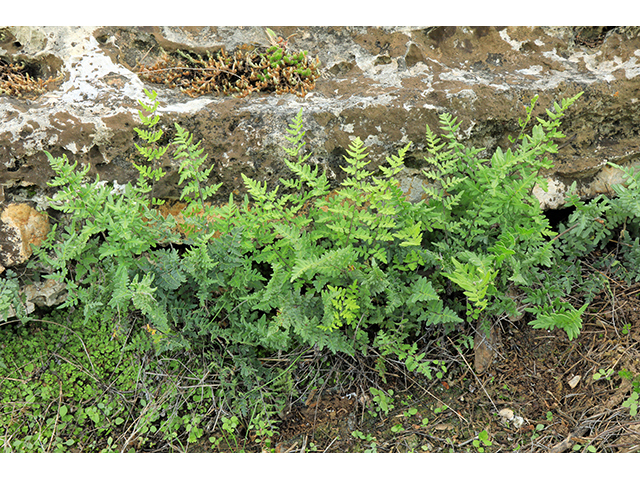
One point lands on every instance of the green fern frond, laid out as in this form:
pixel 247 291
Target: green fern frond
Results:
pixel 150 152
pixel 443 317
pixel 355 169
pixel 475 278
pixel 568 318
pixel 423 291
pixel 331 263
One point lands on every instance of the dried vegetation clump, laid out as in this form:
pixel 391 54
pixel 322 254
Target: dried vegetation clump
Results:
pixel 272 69
pixel 16 81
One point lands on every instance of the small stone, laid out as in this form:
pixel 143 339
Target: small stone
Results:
pixel 574 381
pixel 517 421
pixel 510 417
pixel 443 426
pixel 44 294
pixel 506 413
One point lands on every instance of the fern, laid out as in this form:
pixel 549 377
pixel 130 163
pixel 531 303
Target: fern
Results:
pixel 485 214
pixel 332 263
pixel 10 302
pixel 626 204
pixel 309 182
pixel 301 265
pixel 191 159
pixel 476 279
pixel 341 306
pixel 597 223
pixel 567 318
pixel 151 152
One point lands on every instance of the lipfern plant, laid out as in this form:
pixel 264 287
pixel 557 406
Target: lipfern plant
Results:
pixel 338 262
pixel 354 269
pixel 151 152
pixel 489 228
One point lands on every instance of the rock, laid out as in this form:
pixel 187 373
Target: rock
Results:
pixel 39 294
pixel 381 84
pixel 507 416
pixel 44 294
pixel 485 346
pixel 20 226
pixel 573 382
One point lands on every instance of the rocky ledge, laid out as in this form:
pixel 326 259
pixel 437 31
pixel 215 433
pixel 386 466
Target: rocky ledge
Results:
pixel 380 84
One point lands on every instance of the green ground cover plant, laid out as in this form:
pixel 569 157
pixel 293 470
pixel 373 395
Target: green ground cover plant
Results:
pixel 71 386
pixel 58 392
pixel 353 270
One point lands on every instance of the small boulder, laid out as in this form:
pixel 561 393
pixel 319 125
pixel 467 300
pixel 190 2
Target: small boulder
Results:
pixel 20 227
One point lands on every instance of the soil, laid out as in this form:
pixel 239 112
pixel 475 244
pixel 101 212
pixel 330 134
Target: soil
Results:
pixel 540 380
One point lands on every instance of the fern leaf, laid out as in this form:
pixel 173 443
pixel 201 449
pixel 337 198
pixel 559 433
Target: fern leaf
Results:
pixel 443 317
pixel 569 319
pixel 423 291
pixel 330 263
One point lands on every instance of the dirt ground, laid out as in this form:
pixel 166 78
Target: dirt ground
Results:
pixel 538 395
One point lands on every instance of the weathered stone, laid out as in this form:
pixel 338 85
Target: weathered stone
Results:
pixel 485 346
pixel 44 294
pixel 20 226
pixel 381 84
pixel 39 294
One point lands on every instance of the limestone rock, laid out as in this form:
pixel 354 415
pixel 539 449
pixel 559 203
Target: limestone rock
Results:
pixel 20 226
pixel 39 294
pixel 382 84
pixel 44 294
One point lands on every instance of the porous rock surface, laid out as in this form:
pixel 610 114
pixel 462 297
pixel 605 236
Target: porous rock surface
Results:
pixel 20 227
pixel 378 83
